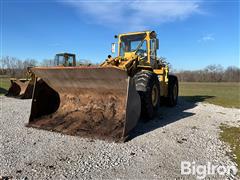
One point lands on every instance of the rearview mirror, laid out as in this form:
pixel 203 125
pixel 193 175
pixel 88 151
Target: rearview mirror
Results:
pixel 113 48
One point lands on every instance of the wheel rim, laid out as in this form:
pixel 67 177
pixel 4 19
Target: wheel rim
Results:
pixel 175 92
pixel 154 95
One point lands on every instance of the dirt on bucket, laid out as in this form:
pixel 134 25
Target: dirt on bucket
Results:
pixel 87 113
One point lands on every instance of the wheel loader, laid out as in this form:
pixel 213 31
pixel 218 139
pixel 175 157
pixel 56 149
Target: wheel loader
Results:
pixel 23 88
pixel 104 102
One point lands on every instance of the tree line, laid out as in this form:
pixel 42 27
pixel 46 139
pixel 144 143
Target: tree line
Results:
pixel 211 73
pixel 14 67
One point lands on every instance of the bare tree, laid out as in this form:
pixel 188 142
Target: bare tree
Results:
pixel 15 67
pixel 29 63
pixel 212 73
pixel 232 74
pixel 47 62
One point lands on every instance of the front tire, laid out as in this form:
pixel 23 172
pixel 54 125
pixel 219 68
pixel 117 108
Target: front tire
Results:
pixel 148 87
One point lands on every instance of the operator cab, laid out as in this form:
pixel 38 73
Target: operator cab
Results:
pixel 65 59
pixel 143 44
pixel 134 43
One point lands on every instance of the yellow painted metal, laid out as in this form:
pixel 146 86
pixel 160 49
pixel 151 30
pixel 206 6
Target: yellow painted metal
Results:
pixel 129 55
pixel 133 33
pixel 127 60
pixel 147 38
pixel 166 74
pixel 163 78
pixel 159 71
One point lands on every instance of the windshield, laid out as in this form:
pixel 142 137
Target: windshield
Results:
pixel 131 43
pixel 64 60
pixel 59 60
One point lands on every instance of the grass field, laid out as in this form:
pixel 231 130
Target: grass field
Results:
pixel 223 94
pixel 231 135
pixel 4 85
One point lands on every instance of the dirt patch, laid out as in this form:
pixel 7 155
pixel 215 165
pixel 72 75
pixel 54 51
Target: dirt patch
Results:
pixel 89 113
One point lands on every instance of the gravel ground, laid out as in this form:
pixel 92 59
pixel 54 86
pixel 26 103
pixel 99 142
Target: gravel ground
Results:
pixel 188 132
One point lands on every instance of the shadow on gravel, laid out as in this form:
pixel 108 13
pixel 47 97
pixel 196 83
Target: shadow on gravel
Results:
pixel 168 115
pixel 3 91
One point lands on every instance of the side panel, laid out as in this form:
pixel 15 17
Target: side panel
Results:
pixel 163 78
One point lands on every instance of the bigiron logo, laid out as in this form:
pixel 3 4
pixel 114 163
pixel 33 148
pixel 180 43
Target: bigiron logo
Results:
pixel 202 171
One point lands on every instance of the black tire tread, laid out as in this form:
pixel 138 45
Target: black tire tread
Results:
pixel 144 81
pixel 172 80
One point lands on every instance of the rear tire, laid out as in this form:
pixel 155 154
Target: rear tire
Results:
pixel 148 87
pixel 172 98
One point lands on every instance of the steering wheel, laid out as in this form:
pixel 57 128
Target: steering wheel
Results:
pixel 141 53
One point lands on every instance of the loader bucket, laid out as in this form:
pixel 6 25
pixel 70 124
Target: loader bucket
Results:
pixel 92 102
pixel 20 88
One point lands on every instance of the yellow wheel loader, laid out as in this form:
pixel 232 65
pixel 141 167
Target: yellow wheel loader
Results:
pixel 23 88
pixel 104 102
